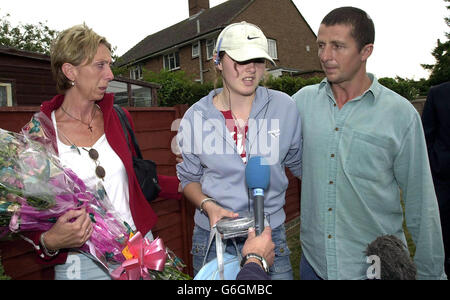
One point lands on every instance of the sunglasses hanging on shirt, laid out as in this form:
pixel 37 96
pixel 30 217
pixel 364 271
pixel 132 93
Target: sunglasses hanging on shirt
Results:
pixel 93 154
pixel 99 170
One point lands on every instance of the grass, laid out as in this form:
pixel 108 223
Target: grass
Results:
pixel 293 241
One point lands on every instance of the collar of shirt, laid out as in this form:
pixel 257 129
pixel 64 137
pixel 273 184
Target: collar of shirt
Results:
pixel 372 93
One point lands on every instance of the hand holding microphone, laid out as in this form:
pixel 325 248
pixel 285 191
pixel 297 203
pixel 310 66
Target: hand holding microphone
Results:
pixel 261 245
pixel 257 175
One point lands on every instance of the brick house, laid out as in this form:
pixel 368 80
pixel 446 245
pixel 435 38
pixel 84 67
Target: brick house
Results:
pixel 189 44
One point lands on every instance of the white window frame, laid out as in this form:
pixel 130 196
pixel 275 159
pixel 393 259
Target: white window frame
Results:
pixel 9 100
pixel 195 50
pixel 210 46
pixel 273 52
pixel 136 72
pixel 171 58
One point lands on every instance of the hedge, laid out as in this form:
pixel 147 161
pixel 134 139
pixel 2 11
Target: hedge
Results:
pixel 179 88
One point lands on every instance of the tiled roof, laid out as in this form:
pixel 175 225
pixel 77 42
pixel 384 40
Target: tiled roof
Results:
pixel 215 18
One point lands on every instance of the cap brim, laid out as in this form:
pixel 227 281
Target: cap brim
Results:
pixel 249 53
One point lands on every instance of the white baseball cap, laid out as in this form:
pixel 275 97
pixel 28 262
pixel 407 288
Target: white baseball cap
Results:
pixel 243 41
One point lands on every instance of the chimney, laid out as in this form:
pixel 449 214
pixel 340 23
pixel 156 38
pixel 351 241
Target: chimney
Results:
pixel 196 6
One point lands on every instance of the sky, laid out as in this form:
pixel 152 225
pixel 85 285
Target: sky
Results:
pixel 406 30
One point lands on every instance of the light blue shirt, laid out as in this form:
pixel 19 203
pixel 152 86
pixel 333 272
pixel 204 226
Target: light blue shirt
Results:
pixel 211 158
pixel 355 162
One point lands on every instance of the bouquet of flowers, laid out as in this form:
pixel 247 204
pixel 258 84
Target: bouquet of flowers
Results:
pixel 35 190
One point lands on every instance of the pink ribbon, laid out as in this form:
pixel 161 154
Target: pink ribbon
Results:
pixel 146 256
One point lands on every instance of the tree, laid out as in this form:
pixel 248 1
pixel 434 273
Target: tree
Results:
pixel 440 72
pixel 408 88
pixel 35 38
pixel 29 37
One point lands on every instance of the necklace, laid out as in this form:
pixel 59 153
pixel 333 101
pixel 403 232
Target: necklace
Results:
pixel 94 111
pixel 93 154
pixel 72 145
pixel 237 123
pixel 240 129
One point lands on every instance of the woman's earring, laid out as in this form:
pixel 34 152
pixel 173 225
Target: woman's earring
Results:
pixel 217 60
pixel 72 83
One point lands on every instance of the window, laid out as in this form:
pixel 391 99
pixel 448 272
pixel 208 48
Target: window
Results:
pixel 273 48
pixel 130 93
pixel 172 61
pixel 136 72
pixel 120 90
pixel 142 96
pixel 5 94
pixel 195 50
pixel 210 45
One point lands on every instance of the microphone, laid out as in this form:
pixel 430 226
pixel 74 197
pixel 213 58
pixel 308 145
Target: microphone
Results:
pixel 257 175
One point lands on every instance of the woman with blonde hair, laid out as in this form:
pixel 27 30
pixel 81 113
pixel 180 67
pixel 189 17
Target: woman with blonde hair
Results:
pixel 90 141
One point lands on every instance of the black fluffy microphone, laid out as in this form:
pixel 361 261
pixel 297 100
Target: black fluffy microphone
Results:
pixel 257 175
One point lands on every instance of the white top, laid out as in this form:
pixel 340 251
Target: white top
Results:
pixel 116 179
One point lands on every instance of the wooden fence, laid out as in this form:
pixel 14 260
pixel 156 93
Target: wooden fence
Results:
pixel 175 217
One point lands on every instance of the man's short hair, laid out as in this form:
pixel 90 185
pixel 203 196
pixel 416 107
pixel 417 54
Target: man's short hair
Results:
pixel 363 28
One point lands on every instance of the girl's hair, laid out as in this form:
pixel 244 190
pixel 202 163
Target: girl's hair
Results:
pixel 75 45
pixel 217 72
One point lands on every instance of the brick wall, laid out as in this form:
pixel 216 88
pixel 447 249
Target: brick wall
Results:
pixel 188 64
pixel 156 64
pixel 280 20
pixel 419 104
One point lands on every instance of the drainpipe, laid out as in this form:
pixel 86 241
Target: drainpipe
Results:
pixel 200 57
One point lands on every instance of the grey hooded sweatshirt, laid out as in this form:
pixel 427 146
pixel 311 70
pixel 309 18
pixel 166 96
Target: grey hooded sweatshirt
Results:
pixel 210 154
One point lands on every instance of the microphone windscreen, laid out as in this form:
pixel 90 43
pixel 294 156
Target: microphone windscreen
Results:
pixel 257 173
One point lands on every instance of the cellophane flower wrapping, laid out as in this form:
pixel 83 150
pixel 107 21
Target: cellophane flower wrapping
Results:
pixel 35 190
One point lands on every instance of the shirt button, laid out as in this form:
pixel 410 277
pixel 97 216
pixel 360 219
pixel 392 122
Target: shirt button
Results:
pixel 330 209
pixel 329 236
pixel 332 155
pixel 337 129
pixel 331 182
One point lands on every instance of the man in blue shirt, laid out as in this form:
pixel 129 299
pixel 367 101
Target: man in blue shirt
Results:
pixel 364 150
